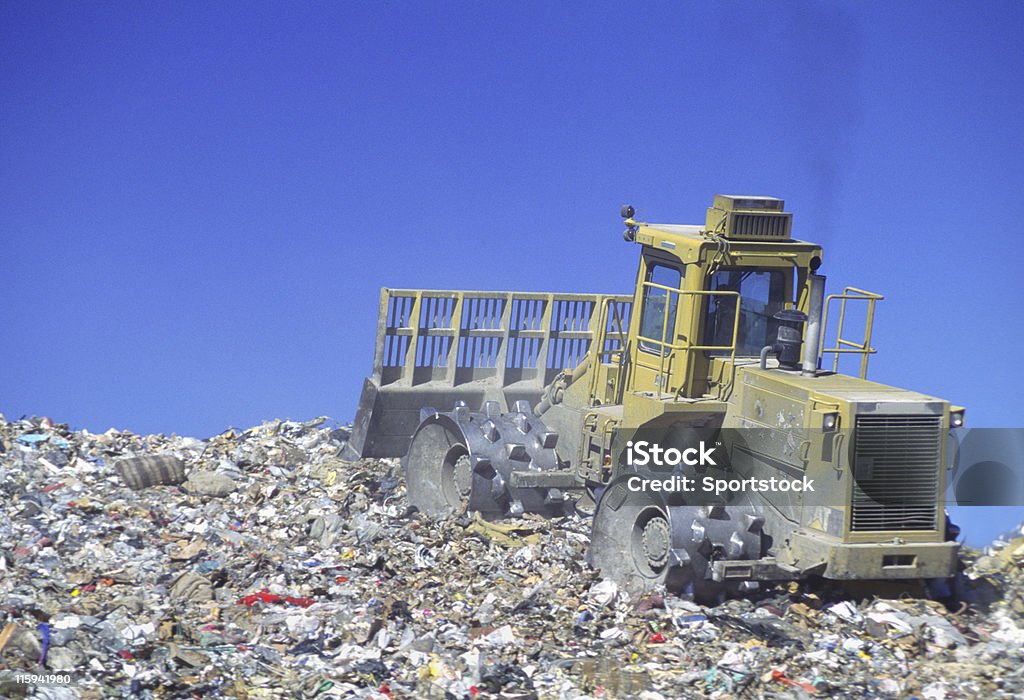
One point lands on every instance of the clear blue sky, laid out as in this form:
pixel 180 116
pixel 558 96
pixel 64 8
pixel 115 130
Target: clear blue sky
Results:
pixel 200 201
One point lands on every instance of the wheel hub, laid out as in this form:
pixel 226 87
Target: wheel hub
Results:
pixel 463 476
pixel 656 542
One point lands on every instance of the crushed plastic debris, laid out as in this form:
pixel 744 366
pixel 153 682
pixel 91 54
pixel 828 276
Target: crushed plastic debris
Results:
pixel 258 564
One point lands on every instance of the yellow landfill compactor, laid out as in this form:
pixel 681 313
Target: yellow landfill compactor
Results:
pixel 692 419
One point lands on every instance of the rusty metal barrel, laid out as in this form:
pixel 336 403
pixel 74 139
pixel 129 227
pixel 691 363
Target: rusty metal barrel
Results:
pixel 150 470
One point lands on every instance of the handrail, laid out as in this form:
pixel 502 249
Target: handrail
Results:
pixel 603 334
pixel 844 346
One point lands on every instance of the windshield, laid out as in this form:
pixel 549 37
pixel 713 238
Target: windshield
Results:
pixel 762 295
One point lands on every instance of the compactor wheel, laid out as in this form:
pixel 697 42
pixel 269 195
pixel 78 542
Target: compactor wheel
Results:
pixel 438 472
pixel 631 541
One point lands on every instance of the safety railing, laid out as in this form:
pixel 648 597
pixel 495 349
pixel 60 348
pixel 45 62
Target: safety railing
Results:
pixel 456 337
pixel 612 327
pixel 609 345
pixel 667 349
pixel 843 345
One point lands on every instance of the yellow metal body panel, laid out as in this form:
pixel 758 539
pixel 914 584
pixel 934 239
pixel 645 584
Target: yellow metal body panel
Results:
pixel 907 559
pixel 792 406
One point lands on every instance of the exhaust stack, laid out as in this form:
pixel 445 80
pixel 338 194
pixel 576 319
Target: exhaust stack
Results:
pixel 812 334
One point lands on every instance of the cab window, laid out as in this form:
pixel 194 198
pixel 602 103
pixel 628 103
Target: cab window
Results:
pixel 655 325
pixel 762 293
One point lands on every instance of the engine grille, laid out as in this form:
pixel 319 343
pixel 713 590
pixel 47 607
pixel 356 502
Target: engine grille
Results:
pixel 760 226
pixel 896 472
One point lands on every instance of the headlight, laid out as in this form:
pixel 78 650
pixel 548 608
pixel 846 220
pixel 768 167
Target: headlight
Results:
pixel 956 419
pixel 829 421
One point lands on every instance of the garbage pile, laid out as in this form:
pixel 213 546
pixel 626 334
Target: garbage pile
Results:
pixel 258 564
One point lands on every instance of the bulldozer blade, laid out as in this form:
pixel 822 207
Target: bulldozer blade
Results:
pixel 488 350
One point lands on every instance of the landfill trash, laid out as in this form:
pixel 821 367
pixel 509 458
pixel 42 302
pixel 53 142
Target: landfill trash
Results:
pixel 845 610
pixel 209 484
pixel 277 569
pixel 191 586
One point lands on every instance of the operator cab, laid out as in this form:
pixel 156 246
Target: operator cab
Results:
pixel 711 295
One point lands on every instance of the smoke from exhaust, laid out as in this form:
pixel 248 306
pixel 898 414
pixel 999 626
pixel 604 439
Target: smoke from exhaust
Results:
pixel 826 54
